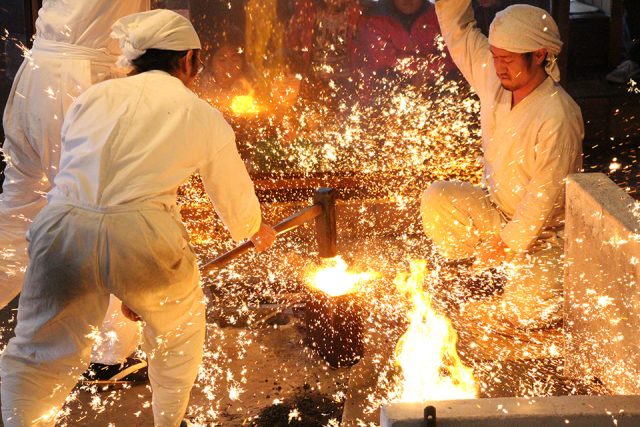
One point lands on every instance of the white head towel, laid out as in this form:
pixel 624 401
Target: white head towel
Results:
pixel 156 29
pixel 522 28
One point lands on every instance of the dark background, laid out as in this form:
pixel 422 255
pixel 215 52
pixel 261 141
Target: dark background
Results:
pixel 611 112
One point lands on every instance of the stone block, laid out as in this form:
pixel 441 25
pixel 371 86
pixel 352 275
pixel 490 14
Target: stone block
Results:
pixel 602 278
pixel 556 411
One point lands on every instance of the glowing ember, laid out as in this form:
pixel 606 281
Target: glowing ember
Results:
pixel 334 279
pixel 245 104
pixel 431 367
pixel 614 166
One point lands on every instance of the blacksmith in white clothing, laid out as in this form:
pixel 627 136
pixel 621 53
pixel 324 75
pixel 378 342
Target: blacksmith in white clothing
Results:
pixel 71 51
pixel 532 135
pixel 112 226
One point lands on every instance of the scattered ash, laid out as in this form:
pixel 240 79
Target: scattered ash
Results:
pixel 309 408
pixel 533 377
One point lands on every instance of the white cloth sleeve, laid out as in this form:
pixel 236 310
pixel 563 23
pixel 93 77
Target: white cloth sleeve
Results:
pixel 229 186
pixel 469 48
pixel 556 150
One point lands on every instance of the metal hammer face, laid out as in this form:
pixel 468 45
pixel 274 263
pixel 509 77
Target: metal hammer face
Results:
pixel 326 231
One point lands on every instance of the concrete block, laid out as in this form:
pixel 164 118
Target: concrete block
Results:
pixel 602 278
pixel 556 411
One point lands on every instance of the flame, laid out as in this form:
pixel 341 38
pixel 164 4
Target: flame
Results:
pixel 245 104
pixel 334 279
pixel 426 353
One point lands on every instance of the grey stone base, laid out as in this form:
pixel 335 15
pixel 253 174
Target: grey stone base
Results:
pixel 602 275
pixel 562 411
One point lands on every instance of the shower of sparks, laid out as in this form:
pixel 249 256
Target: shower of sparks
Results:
pixel 394 138
pixel 24 50
pixel 398 140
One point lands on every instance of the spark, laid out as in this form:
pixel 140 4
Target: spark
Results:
pixel 294 415
pixel 604 301
pixel 614 166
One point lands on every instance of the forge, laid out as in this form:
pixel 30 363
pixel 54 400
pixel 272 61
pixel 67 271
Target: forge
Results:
pixel 334 327
pixel 510 370
pixel 600 327
pixel 333 314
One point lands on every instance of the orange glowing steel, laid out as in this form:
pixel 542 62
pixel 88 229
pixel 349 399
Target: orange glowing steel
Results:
pixel 334 279
pixel 245 104
pixel 431 367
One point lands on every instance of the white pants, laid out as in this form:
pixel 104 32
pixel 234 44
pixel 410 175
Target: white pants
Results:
pixel 77 258
pixel 44 88
pixel 457 216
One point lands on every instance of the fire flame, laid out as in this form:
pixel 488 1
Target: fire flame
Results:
pixel 426 353
pixel 245 104
pixel 334 279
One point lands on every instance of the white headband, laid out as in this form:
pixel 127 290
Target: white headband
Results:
pixel 522 28
pixel 156 29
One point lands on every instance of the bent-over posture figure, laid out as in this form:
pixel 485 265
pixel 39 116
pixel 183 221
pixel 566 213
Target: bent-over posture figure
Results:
pixel 112 227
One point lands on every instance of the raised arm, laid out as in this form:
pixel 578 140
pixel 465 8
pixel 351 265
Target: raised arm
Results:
pixel 468 47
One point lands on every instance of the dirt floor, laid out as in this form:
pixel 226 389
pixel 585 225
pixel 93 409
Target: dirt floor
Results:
pixel 264 373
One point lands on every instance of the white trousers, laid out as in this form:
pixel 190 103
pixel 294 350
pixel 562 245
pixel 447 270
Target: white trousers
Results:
pixel 77 258
pixel 43 90
pixel 457 216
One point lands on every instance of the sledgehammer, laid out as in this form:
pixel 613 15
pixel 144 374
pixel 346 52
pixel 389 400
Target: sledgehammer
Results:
pixel 323 211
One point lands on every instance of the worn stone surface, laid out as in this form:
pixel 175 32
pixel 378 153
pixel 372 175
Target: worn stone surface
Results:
pixel 602 298
pixel 576 411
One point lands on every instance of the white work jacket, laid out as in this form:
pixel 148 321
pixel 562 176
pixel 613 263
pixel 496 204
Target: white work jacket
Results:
pixel 137 139
pixel 529 149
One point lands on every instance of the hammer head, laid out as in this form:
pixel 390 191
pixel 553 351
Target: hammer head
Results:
pixel 326 232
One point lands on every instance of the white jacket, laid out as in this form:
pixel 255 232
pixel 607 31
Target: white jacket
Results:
pixel 528 150
pixel 136 139
pixel 85 23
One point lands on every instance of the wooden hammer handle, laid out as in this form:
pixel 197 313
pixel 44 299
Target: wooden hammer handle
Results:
pixel 287 224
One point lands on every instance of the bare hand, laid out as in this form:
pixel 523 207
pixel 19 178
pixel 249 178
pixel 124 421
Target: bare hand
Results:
pixel 491 253
pixel 264 237
pixel 129 314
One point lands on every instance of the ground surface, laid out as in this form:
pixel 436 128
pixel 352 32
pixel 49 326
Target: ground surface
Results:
pixel 265 374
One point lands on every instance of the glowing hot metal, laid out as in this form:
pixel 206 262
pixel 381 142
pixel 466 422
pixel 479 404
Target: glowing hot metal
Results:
pixel 334 280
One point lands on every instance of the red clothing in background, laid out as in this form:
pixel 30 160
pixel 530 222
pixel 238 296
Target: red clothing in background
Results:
pixel 384 40
pixel 303 27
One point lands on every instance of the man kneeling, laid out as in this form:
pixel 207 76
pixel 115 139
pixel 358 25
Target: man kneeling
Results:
pixel 532 139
